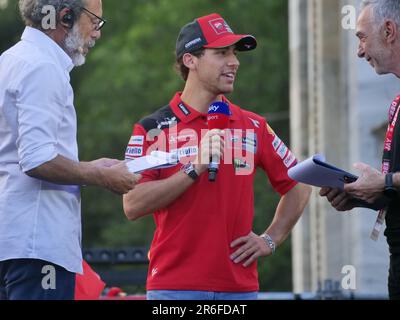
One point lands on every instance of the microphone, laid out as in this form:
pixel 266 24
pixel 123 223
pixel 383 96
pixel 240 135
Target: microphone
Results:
pixel 218 118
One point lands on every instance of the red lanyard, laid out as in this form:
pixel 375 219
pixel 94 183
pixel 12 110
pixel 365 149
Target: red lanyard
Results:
pixel 393 117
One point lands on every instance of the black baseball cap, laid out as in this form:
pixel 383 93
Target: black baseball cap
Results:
pixel 211 31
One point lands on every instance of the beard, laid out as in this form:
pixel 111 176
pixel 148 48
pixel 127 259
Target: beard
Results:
pixel 75 44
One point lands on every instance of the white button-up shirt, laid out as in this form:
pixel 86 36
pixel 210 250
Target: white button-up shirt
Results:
pixel 38 219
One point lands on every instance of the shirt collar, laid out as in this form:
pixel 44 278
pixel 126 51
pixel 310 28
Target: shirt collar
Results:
pixel 187 114
pixel 46 43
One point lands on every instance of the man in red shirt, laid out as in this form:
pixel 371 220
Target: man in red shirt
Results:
pixel 203 246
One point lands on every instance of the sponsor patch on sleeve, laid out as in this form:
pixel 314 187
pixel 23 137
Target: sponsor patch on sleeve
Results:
pixel 134 152
pixel 289 160
pixel 282 151
pixel 136 140
pixel 276 143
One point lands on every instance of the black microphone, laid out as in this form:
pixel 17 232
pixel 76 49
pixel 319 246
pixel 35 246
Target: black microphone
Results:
pixel 218 118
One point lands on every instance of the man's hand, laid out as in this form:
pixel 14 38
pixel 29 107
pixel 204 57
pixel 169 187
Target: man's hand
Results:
pixel 115 175
pixel 107 173
pixel 369 186
pixel 339 199
pixel 251 248
pixel 211 145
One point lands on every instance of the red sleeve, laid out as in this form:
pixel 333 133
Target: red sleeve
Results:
pixel 276 159
pixel 137 147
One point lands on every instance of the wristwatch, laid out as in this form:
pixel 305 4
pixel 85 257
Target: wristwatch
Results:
pixel 190 171
pixel 270 243
pixel 390 191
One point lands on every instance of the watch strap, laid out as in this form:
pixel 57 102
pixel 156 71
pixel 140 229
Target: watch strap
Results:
pixel 190 171
pixel 389 180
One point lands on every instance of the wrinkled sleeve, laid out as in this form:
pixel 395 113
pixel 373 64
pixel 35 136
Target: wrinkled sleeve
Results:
pixel 276 159
pixel 41 97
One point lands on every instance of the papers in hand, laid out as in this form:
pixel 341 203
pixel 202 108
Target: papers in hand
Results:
pixel 316 172
pixel 156 160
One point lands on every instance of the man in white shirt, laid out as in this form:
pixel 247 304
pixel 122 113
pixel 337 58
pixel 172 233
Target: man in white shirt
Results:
pixel 40 173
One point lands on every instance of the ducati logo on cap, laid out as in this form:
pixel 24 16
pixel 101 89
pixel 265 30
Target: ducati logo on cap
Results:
pixel 220 26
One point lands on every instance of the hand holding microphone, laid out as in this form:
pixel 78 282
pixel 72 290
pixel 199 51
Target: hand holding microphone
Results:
pixel 218 118
pixel 212 144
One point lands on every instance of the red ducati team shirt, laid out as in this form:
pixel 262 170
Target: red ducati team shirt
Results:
pixel 191 246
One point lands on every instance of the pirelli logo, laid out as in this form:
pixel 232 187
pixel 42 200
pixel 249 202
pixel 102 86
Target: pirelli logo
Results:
pixel 134 152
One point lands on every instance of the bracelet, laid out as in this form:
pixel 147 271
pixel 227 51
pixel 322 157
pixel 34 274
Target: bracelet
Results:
pixel 270 243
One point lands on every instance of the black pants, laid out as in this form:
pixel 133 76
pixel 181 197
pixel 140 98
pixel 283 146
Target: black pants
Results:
pixel 31 279
pixel 394 276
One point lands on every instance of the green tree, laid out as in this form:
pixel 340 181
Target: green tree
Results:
pixel 10 25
